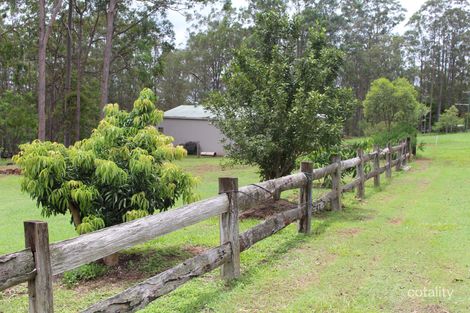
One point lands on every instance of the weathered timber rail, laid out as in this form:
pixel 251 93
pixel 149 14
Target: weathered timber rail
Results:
pixel 40 260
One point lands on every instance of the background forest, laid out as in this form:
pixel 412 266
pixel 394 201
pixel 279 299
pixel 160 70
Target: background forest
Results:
pixel 57 77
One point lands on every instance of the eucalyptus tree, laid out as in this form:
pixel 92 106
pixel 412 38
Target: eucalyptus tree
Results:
pixel 45 29
pixel 366 37
pixel 191 73
pixel 18 76
pixel 143 11
pixel 439 41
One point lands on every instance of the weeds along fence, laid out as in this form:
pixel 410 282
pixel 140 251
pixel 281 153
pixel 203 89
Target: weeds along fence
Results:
pixel 37 264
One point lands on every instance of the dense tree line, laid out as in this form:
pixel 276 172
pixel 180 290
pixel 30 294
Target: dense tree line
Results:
pixel 433 53
pixel 61 61
pixel 72 57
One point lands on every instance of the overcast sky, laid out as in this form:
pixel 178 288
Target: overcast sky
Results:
pixel 181 34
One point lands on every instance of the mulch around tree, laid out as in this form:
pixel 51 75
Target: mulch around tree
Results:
pixel 10 170
pixel 267 209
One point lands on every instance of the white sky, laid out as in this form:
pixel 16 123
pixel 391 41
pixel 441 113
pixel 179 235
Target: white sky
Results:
pixel 181 33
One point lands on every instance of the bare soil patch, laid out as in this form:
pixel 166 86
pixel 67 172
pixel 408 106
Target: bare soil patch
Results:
pixel 204 168
pixel 267 209
pixel 134 267
pixel 414 305
pixel 435 308
pixel 10 170
pixel 350 232
pixel 423 163
pixel 396 221
pixel 195 250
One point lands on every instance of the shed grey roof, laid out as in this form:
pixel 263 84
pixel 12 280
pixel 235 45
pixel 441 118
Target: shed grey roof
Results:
pixel 193 112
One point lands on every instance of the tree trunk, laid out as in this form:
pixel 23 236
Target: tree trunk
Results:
pixel 68 76
pixel 110 15
pixel 44 33
pixel 75 212
pixel 79 79
pixel 82 60
pixel 42 72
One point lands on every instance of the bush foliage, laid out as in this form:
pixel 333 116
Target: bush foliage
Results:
pixel 123 171
pixel 84 273
pixel 323 157
pixel 281 99
pixel 392 111
pixel 449 120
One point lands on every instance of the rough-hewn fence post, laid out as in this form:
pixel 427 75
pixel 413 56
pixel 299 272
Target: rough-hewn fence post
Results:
pixel 40 287
pixel 305 199
pixel 229 230
pixel 33 265
pixel 335 202
pixel 377 166
pixel 410 149
pixel 360 174
pixel 405 152
pixel 388 158
pixel 399 156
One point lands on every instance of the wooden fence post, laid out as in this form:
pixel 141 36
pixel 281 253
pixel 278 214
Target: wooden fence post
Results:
pixel 335 202
pixel 408 148
pixel 388 157
pixel 399 156
pixel 40 287
pixel 377 166
pixel 229 230
pixel 305 199
pixel 405 151
pixel 360 174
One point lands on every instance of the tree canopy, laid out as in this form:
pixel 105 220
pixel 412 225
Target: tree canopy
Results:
pixel 432 52
pixel 392 103
pixel 122 171
pixel 449 120
pixel 280 99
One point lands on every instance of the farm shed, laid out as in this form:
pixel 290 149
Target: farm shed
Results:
pixel 187 123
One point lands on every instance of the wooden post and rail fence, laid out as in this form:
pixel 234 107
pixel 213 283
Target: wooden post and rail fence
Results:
pixel 37 264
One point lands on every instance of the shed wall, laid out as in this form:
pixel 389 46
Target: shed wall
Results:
pixel 184 130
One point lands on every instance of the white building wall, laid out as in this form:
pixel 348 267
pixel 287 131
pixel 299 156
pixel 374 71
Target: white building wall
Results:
pixel 202 131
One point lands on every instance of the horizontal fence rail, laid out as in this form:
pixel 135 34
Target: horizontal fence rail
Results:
pixel 39 261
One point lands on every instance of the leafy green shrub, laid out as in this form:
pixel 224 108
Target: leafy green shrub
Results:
pixel 395 135
pixel 322 158
pixel 90 224
pixel 125 166
pixel 281 98
pixel 449 120
pixel 84 273
pixel 392 111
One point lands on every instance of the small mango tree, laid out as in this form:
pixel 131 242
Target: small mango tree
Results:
pixel 122 172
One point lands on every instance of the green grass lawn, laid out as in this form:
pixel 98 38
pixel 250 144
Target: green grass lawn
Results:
pixel 4 161
pixel 377 255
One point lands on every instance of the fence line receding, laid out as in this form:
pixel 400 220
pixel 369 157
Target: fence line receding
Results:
pixel 40 260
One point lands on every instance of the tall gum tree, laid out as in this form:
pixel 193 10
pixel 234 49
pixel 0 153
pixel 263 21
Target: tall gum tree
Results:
pixel 44 33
